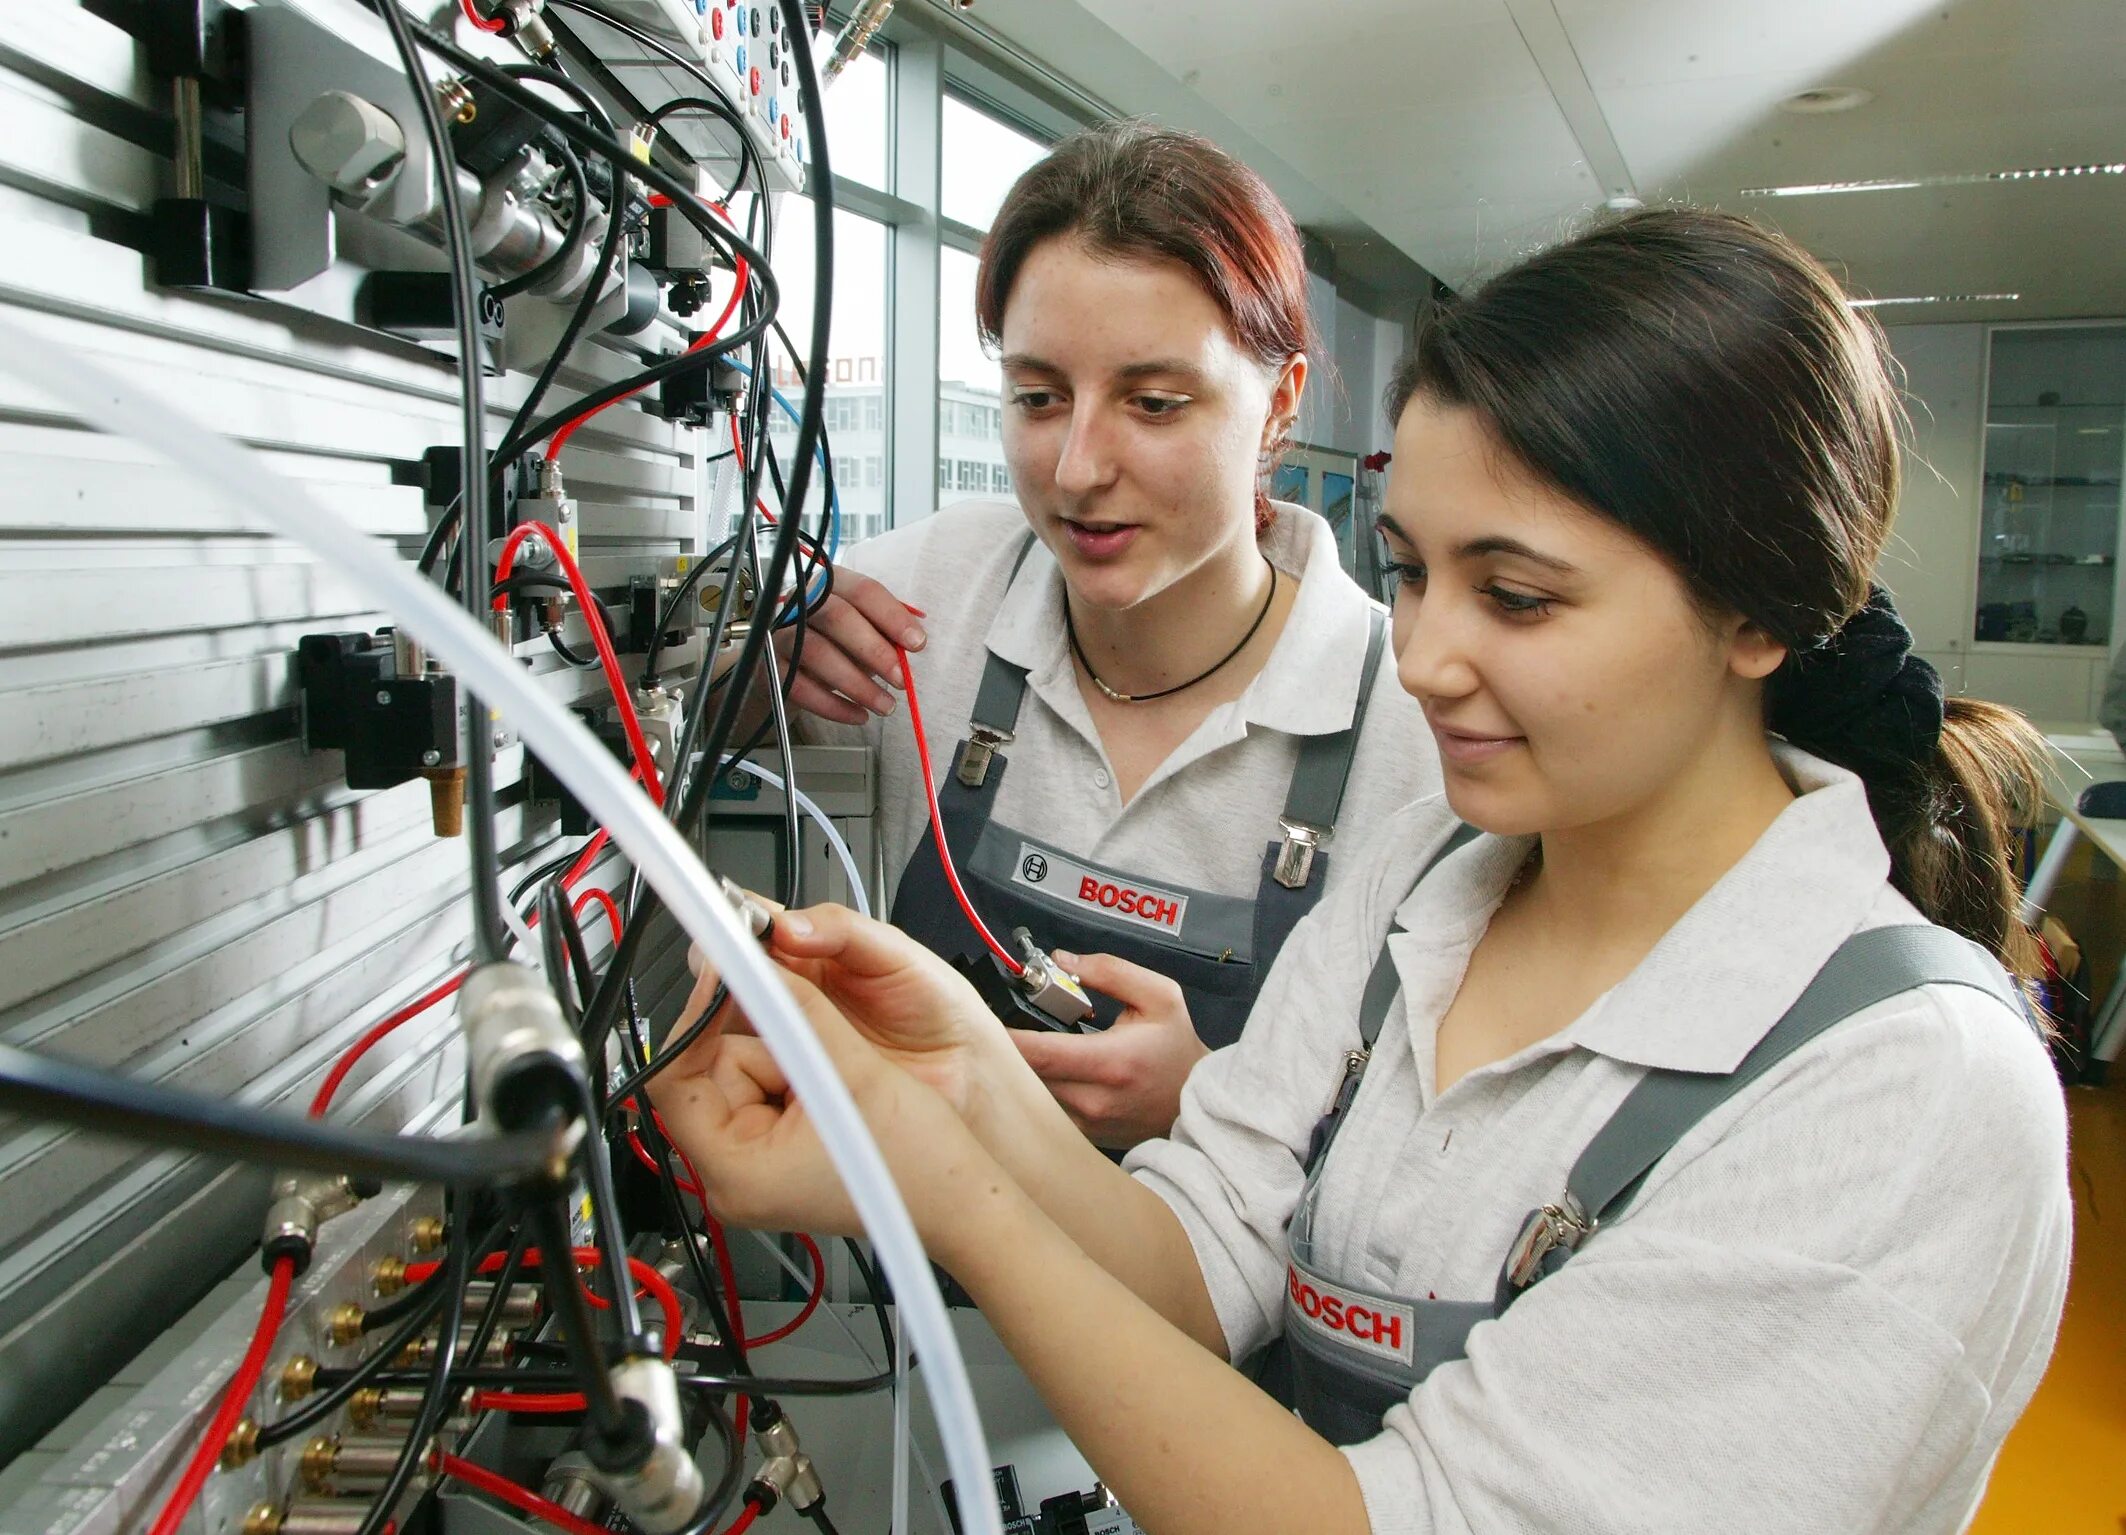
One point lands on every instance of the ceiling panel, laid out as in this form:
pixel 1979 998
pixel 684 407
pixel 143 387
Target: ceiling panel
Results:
pixel 1433 124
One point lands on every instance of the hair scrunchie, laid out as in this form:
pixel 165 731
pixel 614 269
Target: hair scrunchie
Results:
pixel 1861 692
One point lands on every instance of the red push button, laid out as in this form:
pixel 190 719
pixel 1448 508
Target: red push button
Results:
pixel 716 24
pixel 756 80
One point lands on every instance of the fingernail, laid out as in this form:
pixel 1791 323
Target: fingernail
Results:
pixel 918 612
pixel 887 706
pixel 795 923
pixel 913 638
pixel 1066 959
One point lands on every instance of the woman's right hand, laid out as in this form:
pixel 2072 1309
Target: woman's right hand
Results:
pixel 849 646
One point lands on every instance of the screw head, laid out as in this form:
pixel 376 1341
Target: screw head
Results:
pixel 431 757
pixel 383 696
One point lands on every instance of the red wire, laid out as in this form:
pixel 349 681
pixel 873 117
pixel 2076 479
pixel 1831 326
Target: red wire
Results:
pixel 819 1289
pixel 605 903
pixel 361 1047
pixel 744 1521
pixel 742 273
pixel 608 657
pixel 937 820
pixel 483 23
pixel 233 1402
pixel 526 1401
pixel 483 1480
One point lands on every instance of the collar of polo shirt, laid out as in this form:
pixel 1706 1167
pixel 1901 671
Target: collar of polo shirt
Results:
pixel 1309 685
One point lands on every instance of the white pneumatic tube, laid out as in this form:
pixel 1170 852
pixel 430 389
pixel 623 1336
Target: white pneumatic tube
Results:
pixel 834 838
pixel 100 398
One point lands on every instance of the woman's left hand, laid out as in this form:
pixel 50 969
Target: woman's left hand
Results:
pixel 1123 1084
pixel 730 1108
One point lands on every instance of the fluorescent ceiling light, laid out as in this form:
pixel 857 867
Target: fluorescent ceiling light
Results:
pixel 1952 179
pixel 1936 298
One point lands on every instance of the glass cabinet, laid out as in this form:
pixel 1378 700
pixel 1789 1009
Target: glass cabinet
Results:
pixel 2050 504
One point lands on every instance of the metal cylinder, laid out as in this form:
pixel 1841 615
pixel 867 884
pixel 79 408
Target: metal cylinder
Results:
pixel 352 1464
pixel 394 1404
pixel 422 1351
pixel 322 1516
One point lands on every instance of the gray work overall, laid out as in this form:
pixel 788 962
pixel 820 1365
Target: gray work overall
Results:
pixel 1353 1353
pixel 1217 947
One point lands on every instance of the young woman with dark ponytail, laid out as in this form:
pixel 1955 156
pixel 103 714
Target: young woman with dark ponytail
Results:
pixel 1653 1138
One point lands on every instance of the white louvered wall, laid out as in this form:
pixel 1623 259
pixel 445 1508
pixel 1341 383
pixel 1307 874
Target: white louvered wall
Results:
pixel 184 894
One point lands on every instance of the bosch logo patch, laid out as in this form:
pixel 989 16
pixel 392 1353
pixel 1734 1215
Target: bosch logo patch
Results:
pixel 1097 892
pixel 1362 1322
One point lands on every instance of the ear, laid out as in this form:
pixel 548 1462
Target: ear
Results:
pixel 1752 653
pixel 1285 393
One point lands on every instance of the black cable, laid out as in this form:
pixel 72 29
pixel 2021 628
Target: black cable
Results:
pixel 669 615
pixel 41 1087
pixel 478 742
pixel 435 1404
pixel 579 229
pixel 612 1239
pixel 553 955
pixel 560 648
pixel 338 1385
pixel 817 1513
pixel 875 1287
pixel 564 1298
pixel 794 895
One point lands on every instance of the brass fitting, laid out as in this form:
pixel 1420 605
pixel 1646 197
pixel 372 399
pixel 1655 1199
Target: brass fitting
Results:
pixel 343 1323
pixel 389 1276
pixel 298 1378
pixel 318 1458
pixel 264 1519
pixel 426 1233
pixel 241 1447
pixel 457 101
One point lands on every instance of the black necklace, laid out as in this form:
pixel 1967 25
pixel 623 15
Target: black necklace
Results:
pixel 1078 650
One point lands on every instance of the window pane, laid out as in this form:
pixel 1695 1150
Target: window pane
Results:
pixel 970 418
pixel 853 410
pixel 856 122
pixel 980 159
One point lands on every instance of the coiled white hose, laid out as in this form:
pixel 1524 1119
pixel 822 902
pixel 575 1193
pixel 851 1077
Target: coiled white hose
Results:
pixel 104 401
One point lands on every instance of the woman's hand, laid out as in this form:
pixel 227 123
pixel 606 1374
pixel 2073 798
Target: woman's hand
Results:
pixel 729 1107
pixel 849 646
pixel 1121 1085
pixel 910 1005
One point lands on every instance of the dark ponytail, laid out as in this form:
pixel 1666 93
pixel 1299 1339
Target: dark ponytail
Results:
pixel 1702 382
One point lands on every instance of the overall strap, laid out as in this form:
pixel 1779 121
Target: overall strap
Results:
pixel 996 701
pixel 1379 995
pixel 1867 968
pixel 1316 795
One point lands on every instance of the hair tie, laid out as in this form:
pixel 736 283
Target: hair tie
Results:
pixel 1860 692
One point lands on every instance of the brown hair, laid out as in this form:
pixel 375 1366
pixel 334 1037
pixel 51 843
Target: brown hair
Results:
pixel 1128 189
pixel 1702 381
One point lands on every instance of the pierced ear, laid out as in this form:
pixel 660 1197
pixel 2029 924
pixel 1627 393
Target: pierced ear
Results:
pixel 1285 395
pixel 1753 653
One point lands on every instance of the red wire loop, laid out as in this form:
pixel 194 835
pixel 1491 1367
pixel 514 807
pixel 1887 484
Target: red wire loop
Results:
pixel 937 821
pixel 484 23
pixel 483 1480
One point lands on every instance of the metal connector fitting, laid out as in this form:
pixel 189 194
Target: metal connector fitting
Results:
pixel 389 1276
pixel 426 1234
pixel 665 1491
pixel 241 1447
pixel 572 1483
pixel 298 1378
pixel 787 1471
pixel 306 1516
pixel 756 916
pixel 421 1353
pixel 339 1466
pixel 302 1202
pixel 457 100
pixel 392 1404
pixel 1051 988
pixel 524 1058
pixel 343 1323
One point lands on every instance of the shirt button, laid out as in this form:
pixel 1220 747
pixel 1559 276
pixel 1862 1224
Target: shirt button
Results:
pixel 1100 778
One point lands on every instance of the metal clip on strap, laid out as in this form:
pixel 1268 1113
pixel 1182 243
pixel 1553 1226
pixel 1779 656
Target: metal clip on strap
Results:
pixel 975 757
pixel 1562 1226
pixel 1295 858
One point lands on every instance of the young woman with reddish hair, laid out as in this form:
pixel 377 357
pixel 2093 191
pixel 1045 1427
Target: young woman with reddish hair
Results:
pixel 1174 726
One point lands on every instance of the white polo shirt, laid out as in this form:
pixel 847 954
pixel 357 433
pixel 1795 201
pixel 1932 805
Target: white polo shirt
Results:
pixel 1826 1306
pixel 1205 817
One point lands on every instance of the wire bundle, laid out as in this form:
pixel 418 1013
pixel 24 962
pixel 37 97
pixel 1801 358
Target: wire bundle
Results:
pixel 500 1216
